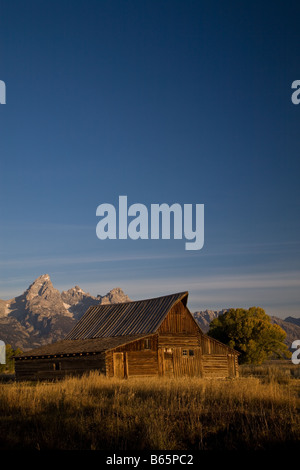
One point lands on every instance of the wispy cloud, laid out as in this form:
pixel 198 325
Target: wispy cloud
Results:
pixel 77 260
pixel 214 251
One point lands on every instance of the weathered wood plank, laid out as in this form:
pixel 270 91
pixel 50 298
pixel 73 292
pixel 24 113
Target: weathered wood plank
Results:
pixel 178 320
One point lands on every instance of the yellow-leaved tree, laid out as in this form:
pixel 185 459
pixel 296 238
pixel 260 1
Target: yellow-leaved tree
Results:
pixel 250 332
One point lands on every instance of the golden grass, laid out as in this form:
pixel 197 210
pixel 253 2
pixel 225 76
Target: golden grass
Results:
pixel 94 412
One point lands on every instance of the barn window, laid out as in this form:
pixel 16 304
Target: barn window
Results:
pixel 184 352
pixel 191 352
pixel 147 344
pixel 57 366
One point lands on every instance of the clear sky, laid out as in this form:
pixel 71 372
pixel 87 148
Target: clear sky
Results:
pixel 162 101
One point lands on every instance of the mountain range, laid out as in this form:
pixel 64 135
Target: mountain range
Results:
pixel 43 314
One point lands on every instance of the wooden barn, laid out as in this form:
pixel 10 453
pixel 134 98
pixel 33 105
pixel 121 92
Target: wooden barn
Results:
pixel 153 337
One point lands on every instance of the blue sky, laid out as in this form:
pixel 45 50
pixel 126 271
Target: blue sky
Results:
pixel 174 101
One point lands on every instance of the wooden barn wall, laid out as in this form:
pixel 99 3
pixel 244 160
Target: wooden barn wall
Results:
pixel 138 360
pixel 177 335
pixel 178 320
pixel 218 360
pixel 44 369
pixel 139 345
pixel 215 365
pixel 219 365
pixel 236 365
pixel 211 346
pixel 109 364
pixel 188 365
pixel 173 363
pixel 178 341
pixel 142 363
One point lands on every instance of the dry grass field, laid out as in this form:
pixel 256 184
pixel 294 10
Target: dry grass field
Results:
pixel 259 410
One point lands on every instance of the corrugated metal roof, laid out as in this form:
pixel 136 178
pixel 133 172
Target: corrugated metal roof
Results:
pixel 130 318
pixel 80 346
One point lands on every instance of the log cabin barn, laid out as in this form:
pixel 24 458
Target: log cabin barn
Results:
pixel 153 337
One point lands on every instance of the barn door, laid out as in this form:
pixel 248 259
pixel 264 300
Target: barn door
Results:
pixel 168 361
pixel 119 366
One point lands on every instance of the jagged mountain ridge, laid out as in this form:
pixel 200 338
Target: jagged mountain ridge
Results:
pixel 290 325
pixel 43 315
pixel 295 321
pixel 76 301
pixel 206 316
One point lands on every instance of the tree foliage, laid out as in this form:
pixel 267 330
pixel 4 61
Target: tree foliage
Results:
pixel 10 362
pixel 251 333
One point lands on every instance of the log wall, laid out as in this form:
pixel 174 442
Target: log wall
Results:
pixel 140 358
pixel 215 365
pixel 55 368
